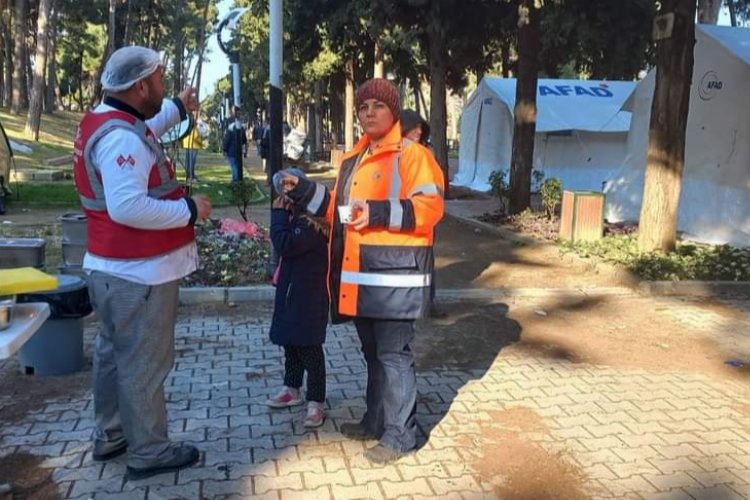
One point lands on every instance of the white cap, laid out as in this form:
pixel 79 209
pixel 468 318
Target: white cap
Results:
pixel 127 65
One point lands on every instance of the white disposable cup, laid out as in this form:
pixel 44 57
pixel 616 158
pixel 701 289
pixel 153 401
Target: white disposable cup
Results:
pixel 345 213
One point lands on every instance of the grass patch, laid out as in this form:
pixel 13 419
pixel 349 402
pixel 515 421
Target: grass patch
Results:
pixel 56 135
pixel 63 194
pixel 689 261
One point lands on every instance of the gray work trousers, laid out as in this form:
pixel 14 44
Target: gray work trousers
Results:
pixel 133 355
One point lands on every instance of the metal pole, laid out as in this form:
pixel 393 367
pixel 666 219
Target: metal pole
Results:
pixel 276 62
pixel 234 59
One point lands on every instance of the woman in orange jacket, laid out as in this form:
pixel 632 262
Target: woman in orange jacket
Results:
pixel 386 202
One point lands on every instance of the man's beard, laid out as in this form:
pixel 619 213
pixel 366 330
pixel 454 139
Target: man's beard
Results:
pixel 154 106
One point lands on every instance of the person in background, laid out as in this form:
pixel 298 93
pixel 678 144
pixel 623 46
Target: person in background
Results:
pixel 191 144
pixel 385 204
pixel 300 313
pixel 141 243
pixel 415 128
pixel 257 135
pixel 234 145
pixel 265 144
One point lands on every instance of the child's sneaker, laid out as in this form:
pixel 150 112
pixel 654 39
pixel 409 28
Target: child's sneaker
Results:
pixel 315 414
pixel 288 396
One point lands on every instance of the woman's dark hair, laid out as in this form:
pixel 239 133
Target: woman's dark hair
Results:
pixel 411 119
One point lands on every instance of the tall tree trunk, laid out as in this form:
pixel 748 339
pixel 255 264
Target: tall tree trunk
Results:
pixel 708 11
pixel 112 25
pixel 438 113
pixel 524 128
pixel 28 75
pixel 318 116
pixel 81 79
pixel 669 112
pixel 337 114
pixel 34 118
pixel 202 50
pixel 3 60
pixel 732 13
pixel 8 55
pixel 504 59
pixel 379 69
pixel 52 90
pixel 349 105
pixel 415 91
pixel 19 59
pixel 179 50
pixel 128 33
pixel 96 83
pixel 420 95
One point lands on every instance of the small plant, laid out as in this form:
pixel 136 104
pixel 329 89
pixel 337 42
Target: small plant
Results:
pixel 500 188
pixel 551 192
pixel 689 261
pixel 242 195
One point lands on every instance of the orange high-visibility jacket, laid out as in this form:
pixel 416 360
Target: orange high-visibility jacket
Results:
pixel 383 271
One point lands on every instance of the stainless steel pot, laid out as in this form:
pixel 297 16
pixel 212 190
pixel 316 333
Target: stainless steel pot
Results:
pixel 6 311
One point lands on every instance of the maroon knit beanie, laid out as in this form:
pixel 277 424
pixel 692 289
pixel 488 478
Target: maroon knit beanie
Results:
pixel 382 90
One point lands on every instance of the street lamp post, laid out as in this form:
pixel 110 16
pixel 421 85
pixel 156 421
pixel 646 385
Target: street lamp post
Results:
pixel 275 45
pixel 230 22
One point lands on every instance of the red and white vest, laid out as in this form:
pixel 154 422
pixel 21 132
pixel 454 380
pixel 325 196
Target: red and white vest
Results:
pixel 107 238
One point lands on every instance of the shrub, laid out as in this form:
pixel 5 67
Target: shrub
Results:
pixel 551 192
pixel 689 261
pixel 499 187
pixel 242 193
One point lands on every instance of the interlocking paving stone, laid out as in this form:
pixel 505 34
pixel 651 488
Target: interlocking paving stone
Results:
pixel 633 432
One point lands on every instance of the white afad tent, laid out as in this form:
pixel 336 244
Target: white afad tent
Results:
pixel 715 196
pixel 581 132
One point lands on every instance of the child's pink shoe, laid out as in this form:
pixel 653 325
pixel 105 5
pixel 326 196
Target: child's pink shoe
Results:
pixel 316 414
pixel 289 396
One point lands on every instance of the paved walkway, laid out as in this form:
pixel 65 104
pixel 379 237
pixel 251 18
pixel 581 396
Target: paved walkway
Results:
pixel 520 425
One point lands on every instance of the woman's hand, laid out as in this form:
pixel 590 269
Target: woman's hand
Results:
pixel 279 202
pixel 361 214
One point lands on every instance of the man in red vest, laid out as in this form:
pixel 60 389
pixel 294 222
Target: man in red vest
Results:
pixel 141 242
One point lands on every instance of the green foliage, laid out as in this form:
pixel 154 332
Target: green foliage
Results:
pixel 243 193
pixel 500 188
pixel 551 192
pixel 579 32
pixel 230 259
pixel 690 261
pixel 171 26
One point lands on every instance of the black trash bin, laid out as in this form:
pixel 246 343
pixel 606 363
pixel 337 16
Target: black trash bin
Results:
pixel 57 347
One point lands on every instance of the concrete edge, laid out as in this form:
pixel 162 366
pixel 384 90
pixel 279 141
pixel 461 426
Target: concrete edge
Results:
pixel 503 233
pixel 228 295
pixel 265 293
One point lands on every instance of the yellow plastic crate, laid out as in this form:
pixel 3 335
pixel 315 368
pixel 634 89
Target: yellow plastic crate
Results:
pixel 25 280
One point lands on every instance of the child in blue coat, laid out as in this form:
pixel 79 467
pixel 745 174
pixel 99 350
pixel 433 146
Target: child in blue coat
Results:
pixel 300 314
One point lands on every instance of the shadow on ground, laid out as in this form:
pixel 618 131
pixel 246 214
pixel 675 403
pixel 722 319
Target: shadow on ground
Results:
pixel 453 349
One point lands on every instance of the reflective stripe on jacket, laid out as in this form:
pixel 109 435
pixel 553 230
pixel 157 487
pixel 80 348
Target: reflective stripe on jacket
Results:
pixel 383 271
pixel 107 238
